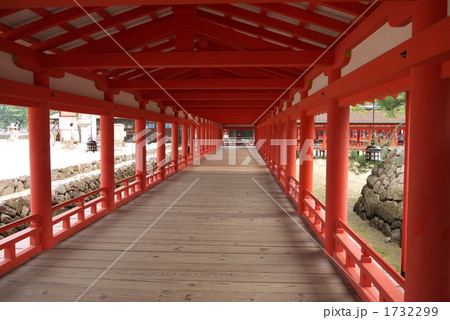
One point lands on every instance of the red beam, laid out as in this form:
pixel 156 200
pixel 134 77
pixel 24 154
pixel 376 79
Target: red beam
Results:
pixel 46 23
pixel 231 38
pixel 171 84
pixel 257 31
pixel 264 20
pixel 146 33
pixel 224 103
pixel 213 96
pixel 213 59
pixel 306 16
pixel 59 100
pixel 93 28
pixel 22 4
pixel 425 47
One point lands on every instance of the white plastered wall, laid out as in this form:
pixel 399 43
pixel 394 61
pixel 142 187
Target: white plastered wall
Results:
pixel 11 72
pixel 297 98
pixel 126 99
pixel 153 106
pixel 375 45
pixel 318 83
pixel 76 85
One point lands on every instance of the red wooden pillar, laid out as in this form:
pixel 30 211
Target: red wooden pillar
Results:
pixel 184 142
pixel 282 151
pixel 175 144
pixel 428 241
pixel 207 138
pixel 161 147
pixel 405 183
pixel 141 148
pixel 191 140
pixel 40 167
pixel 107 153
pixel 291 135
pixel 337 166
pixel 306 164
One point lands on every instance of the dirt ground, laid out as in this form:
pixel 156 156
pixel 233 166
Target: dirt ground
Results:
pixel 389 251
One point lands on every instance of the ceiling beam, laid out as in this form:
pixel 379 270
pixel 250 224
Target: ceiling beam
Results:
pixel 257 31
pixel 266 21
pixel 187 59
pixel 93 28
pixel 212 96
pixel 22 4
pixel 176 84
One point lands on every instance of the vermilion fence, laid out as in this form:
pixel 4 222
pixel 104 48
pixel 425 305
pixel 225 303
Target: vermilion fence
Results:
pixel 372 277
pixel 77 213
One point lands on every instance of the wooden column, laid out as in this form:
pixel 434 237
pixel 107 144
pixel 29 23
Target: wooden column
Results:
pixel 306 156
pixel 428 241
pixel 161 146
pixel 175 144
pixel 107 153
pixel 282 150
pixel 337 165
pixel 141 148
pixel 184 142
pixel 40 166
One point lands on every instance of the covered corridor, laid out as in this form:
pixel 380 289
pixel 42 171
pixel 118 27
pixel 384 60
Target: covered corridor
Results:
pixel 209 233
pixel 200 67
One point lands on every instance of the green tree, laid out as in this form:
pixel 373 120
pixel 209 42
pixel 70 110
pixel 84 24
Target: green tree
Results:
pixel 11 114
pixel 391 106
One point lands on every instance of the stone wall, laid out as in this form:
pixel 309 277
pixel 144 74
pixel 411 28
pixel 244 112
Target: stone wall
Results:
pixel 14 209
pixel 381 200
pixel 18 184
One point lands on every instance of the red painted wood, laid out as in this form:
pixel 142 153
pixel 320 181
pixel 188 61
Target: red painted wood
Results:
pixel 214 59
pixel 337 166
pixel 69 3
pixel 107 154
pixel 427 242
pixel 40 168
pixel 161 147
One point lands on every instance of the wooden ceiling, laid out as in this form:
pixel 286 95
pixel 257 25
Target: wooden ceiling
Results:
pixel 226 61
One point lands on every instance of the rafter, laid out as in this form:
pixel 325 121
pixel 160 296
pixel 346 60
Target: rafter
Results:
pixel 93 28
pixel 232 38
pixel 259 32
pixel 21 4
pixel 134 37
pixel 46 23
pixel 266 21
pixel 306 15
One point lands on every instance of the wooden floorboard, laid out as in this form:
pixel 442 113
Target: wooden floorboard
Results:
pixel 223 240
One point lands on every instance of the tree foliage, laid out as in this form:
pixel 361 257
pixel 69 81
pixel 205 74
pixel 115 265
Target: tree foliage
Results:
pixel 392 107
pixel 12 114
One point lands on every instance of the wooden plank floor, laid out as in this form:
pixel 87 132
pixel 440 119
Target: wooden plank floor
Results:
pixel 223 240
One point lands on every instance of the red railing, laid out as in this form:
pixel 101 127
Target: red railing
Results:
pixel 190 159
pixel 153 177
pixel 170 168
pixel 16 248
pixel 293 190
pixel 282 176
pixel 314 212
pixel 182 163
pixel 85 212
pixel 372 277
pixel 128 189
